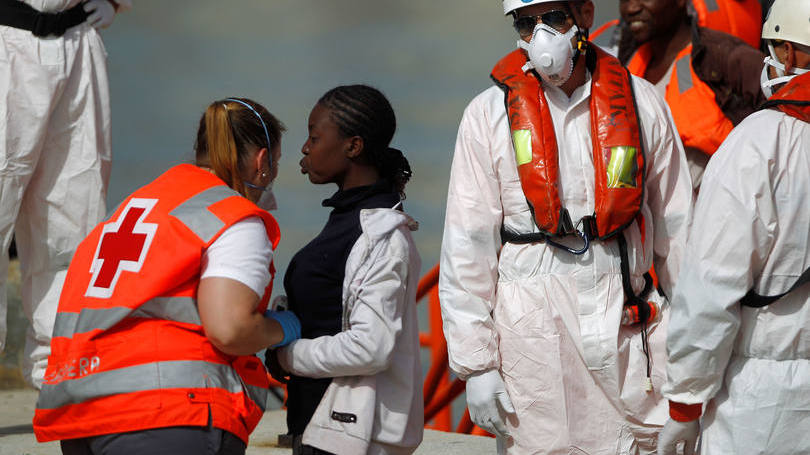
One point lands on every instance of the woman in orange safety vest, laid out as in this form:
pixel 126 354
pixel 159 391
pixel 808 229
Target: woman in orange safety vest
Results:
pixel 165 303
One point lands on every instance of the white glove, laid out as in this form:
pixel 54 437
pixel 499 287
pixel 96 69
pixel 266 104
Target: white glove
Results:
pixel 102 13
pixel 674 432
pixel 485 392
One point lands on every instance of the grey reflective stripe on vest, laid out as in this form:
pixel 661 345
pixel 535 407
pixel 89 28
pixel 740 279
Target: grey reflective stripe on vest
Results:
pixel 151 376
pixel 711 5
pixel 684 73
pixel 194 212
pixel 178 309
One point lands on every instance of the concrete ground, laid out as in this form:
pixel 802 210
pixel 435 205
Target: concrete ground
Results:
pixel 17 437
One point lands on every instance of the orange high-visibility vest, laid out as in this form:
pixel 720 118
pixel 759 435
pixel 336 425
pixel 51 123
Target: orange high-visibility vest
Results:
pixel 793 99
pixel 701 123
pixel 618 155
pixel 128 350
pixel 741 18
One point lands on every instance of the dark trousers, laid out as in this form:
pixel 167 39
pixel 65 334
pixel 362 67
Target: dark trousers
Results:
pixel 301 449
pixel 159 441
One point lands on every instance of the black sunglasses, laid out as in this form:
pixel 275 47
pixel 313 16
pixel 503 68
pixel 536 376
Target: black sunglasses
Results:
pixel 555 19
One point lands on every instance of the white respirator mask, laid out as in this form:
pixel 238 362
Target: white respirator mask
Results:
pixel 267 201
pixel 765 81
pixel 551 53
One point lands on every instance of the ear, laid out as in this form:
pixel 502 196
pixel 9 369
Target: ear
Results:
pixel 586 13
pixel 790 56
pixel 354 147
pixel 261 161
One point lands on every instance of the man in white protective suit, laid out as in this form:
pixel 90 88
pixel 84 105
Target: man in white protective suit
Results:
pixel 734 345
pixel 568 183
pixel 54 149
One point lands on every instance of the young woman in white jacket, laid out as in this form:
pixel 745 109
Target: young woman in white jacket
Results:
pixel 355 378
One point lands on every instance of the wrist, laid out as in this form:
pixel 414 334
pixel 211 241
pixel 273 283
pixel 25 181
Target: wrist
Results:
pixel 275 332
pixel 681 412
pixel 283 357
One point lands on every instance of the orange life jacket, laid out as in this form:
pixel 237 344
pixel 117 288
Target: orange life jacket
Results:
pixel 618 156
pixel 793 99
pixel 128 351
pixel 701 123
pixel 741 18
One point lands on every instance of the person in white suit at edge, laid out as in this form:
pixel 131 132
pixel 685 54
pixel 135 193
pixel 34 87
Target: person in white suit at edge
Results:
pixel 55 150
pixel 568 183
pixel 735 346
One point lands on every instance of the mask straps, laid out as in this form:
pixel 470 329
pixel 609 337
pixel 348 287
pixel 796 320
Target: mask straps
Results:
pixel 766 82
pixel 257 187
pixel 266 135
pixel 581 34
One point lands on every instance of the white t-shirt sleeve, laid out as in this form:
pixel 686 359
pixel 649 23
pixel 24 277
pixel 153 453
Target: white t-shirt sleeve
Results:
pixel 242 253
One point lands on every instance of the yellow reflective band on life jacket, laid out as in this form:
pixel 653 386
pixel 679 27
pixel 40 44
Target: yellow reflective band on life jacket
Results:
pixel 618 156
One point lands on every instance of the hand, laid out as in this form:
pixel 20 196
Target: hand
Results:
pixel 276 371
pixel 290 325
pixel 485 394
pixel 674 432
pixel 102 13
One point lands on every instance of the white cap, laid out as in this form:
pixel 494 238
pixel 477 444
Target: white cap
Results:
pixel 788 20
pixel 511 5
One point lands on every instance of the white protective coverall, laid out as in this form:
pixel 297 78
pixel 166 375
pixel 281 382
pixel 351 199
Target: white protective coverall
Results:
pixel 750 230
pixel 55 156
pixel 549 321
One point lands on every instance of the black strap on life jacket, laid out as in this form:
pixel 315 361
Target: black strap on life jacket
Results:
pixel 17 14
pixel 586 235
pixel 754 300
pixel 628 287
pixel 770 104
pixel 640 299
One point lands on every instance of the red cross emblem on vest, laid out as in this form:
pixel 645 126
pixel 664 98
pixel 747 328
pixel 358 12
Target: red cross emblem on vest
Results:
pixel 122 247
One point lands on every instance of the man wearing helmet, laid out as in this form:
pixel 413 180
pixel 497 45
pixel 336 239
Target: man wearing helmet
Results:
pixel 708 78
pixel 743 356
pixel 568 182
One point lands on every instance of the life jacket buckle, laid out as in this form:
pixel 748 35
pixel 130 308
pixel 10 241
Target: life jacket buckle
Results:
pixel 589 228
pixel 565 226
pixel 586 243
pixel 585 230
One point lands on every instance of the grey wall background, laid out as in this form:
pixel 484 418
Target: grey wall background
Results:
pixel 168 60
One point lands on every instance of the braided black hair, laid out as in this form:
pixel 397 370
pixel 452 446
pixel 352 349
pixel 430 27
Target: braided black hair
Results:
pixel 360 110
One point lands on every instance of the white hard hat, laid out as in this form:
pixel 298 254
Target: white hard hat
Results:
pixel 788 20
pixel 511 5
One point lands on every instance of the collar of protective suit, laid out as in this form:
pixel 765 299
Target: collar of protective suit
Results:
pixel 618 155
pixel 794 98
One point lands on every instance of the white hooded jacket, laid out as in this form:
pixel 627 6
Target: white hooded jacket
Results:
pixel 374 404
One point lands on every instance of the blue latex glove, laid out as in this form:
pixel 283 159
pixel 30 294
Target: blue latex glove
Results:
pixel 289 323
